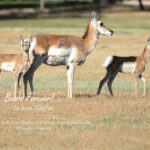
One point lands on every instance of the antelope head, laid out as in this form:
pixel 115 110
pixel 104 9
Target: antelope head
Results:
pixel 98 24
pixel 25 44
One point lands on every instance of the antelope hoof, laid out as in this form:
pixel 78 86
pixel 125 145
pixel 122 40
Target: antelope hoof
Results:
pixel 69 96
pixel 112 95
pixel 97 93
pixel 143 95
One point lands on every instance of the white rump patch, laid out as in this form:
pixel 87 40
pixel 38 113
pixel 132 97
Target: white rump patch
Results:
pixel 8 66
pixel 128 67
pixel 108 61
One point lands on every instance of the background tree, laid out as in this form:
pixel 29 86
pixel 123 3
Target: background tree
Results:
pixel 42 4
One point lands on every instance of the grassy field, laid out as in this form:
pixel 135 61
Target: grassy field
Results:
pixel 87 122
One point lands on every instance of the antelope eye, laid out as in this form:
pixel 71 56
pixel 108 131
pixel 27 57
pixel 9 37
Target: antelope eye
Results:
pixel 101 24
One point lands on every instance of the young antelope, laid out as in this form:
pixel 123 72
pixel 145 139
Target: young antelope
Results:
pixel 16 63
pixel 130 65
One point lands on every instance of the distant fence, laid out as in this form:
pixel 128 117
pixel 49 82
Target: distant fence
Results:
pixel 38 3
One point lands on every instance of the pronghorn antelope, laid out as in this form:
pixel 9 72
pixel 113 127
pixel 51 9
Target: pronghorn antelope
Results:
pixel 65 50
pixel 132 65
pixel 16 63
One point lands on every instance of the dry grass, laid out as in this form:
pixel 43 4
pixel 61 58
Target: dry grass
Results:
pixel 87 122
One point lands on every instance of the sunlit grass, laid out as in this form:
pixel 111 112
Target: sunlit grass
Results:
pixel 115 22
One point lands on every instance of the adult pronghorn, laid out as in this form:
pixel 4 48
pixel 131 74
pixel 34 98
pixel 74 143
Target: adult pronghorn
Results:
pixel 16 63
pixel 65 50
pixel 133 65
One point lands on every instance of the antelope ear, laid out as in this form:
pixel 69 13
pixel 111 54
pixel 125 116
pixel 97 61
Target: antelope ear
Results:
pixel 94 15
pixel 30 39
pixel 21 40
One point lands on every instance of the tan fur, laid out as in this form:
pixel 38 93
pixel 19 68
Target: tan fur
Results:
pixel 18 59
pixel 142 60
pixel 45 41
pixel 140 67
pixel 20 64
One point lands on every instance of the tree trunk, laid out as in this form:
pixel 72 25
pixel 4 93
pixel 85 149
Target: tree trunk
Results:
pixel 42 4
pixel 141 5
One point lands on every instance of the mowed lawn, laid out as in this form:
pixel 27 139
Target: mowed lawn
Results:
pixel 88 121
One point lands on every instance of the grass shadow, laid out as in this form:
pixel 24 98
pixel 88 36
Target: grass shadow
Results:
pixel 84 95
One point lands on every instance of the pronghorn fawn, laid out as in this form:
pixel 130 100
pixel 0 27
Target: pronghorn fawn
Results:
pixel 67 50
pixel 131 65
pixel 16 63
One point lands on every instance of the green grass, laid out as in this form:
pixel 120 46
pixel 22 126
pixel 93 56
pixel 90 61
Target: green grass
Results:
pixel 116 22
pixel 44 23
pixel 125 26
pixel 59 83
